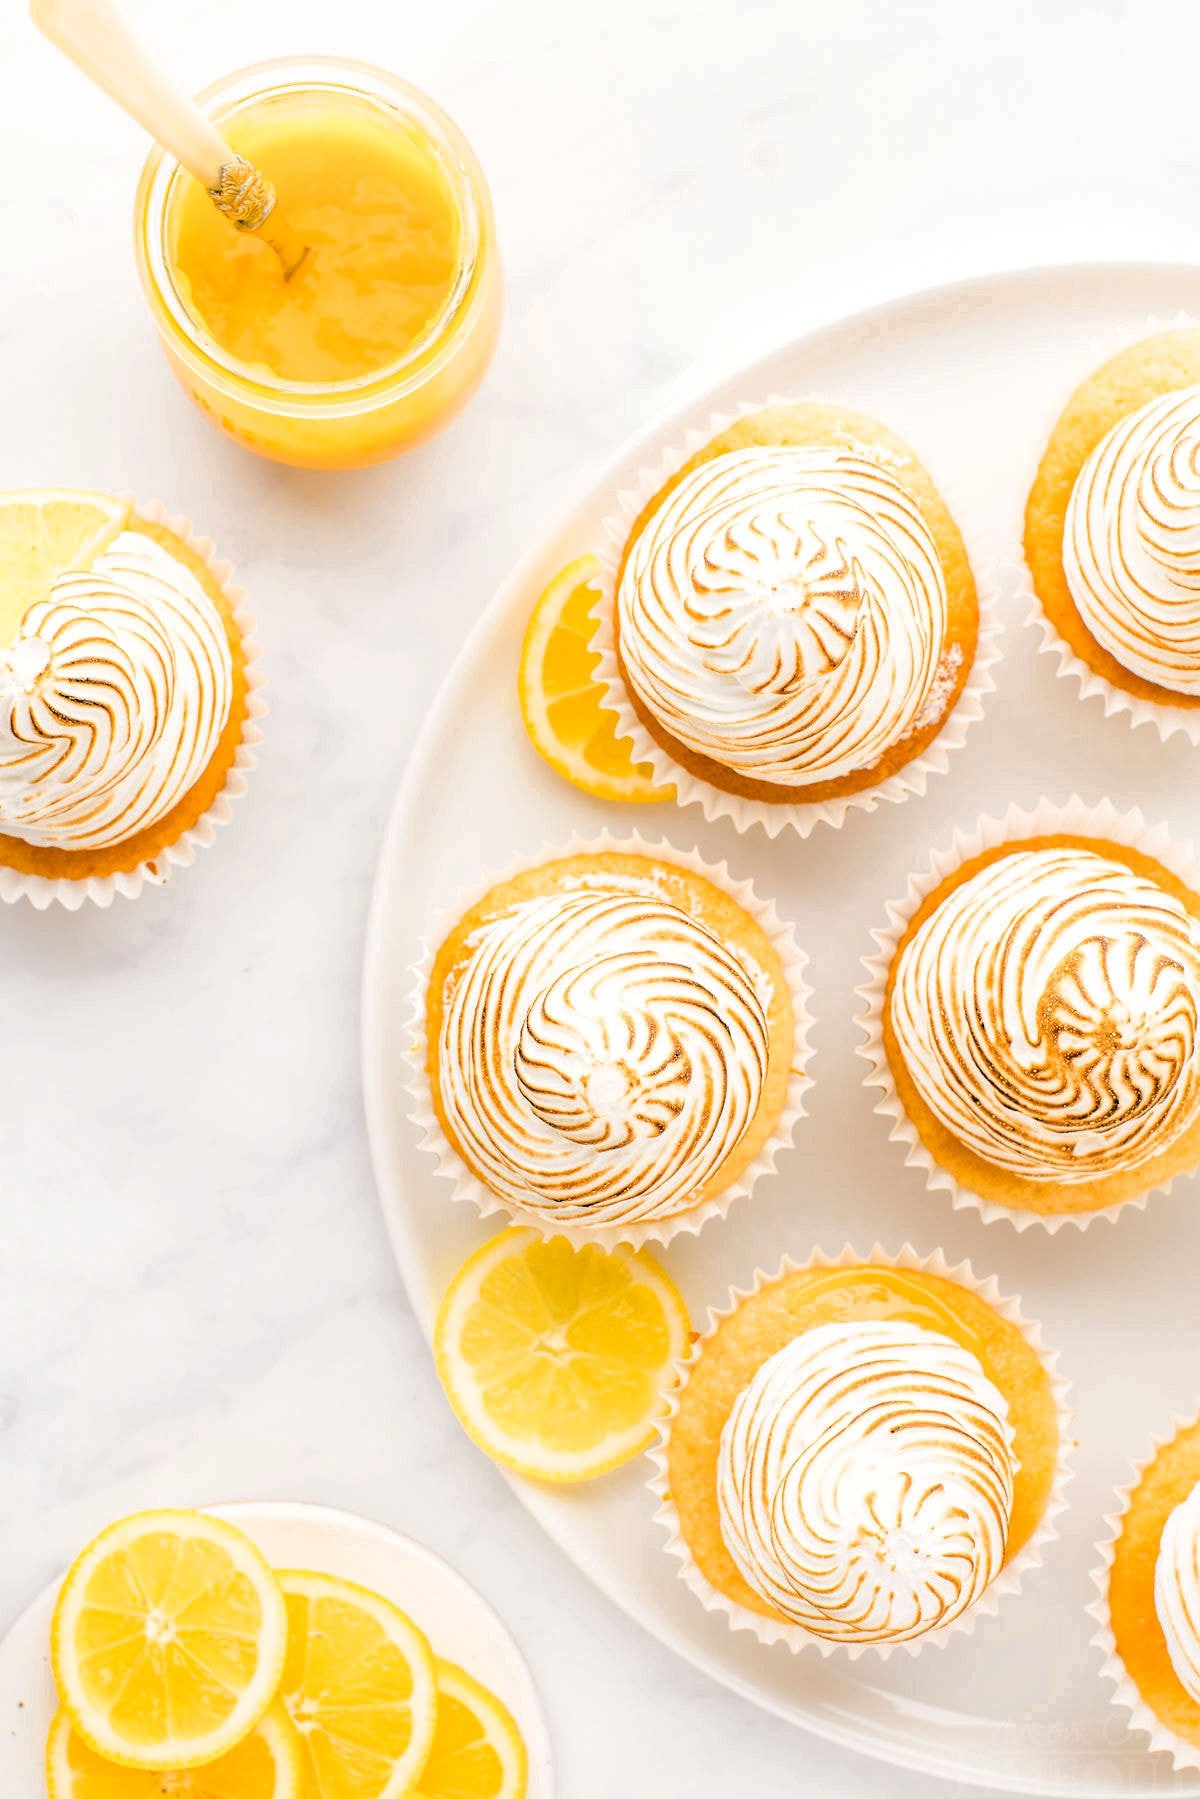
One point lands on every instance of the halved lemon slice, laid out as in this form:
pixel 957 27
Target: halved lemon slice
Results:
pixel 265 1765
pixel 359 1687
pixel 168 1640
pixel 478 1752
pixel 43 533
pixel 561 700
pixel 557 1359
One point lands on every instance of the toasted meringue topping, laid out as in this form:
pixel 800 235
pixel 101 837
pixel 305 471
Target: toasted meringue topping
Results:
pixel 1047 1011
pixel 784 613
pixel 601 1054
pixel 1177 1591
pixel 865 1481
pixel 1131 542
pixel 113 698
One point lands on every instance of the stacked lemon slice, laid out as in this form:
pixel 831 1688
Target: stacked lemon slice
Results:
pixel 186 1666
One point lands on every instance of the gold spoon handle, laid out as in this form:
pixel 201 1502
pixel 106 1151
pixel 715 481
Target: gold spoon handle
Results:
pixel 96 38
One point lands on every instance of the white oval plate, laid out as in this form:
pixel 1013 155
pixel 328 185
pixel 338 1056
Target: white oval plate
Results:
pixel 973 376
pixel 460 1625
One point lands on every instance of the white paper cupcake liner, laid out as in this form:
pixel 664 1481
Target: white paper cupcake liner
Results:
pixel 1126 1696
pixel 1167 720
pixel 1072 818
pixel 800 816
pixel 1010 1578
pixel 43 891
pixel 466 1186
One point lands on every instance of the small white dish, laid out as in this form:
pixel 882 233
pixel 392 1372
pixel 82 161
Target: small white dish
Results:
pixel 460 1625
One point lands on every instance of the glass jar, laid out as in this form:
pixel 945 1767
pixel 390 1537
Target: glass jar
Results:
pixel 333 424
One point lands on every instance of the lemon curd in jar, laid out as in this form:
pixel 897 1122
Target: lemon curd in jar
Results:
pixel 386 328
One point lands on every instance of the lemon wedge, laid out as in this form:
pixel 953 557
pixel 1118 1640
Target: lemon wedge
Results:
pixel 561 700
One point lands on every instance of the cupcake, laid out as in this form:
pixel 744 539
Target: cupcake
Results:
pixel 791 618
pixel 125 702
pixel 1033 1019
pixel 861 1454
pixel 1149 1606
pixel 1112 533
pixel 612 1044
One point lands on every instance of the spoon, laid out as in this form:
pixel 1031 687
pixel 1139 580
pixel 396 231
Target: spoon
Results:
pixel 97 40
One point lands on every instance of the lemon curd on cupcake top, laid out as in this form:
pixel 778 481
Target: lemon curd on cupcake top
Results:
pixel 858 1453
pixel 1112 529
pixel 1153 1591
pixel 1041 1022
pixel 795 611
pixel 610 1040
pixel 122 685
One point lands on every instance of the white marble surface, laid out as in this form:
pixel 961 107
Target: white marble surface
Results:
pixel 196 1297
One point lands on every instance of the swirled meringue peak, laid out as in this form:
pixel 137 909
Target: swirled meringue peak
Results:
pixel 601 1054
pixel 783 613
pixel 1048 1012
pixel 865 1481
pixel 1177 1591
pixel 1131 542
pixel 113 697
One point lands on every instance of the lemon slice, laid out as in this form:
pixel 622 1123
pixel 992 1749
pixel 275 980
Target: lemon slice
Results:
pixel 557 1359
pixel 265 1765
pixel 477 1749
pixel 561 700
pixel 359 1687
pixel 168 1640
pixel 43 533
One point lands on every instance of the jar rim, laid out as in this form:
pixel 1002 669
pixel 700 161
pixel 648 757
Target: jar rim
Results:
pixel 434 344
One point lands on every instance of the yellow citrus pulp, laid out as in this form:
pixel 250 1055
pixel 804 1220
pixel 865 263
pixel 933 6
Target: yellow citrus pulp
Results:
pixel 187 1669
pixel 477 1750
pixel 557 1359
pixel 44 533
pixel 561 700
pixel 370 197
pixel 264 1765
pixel 168 1640
pixel 360 1688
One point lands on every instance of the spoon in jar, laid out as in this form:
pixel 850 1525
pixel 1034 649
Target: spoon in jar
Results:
pixel 98 41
